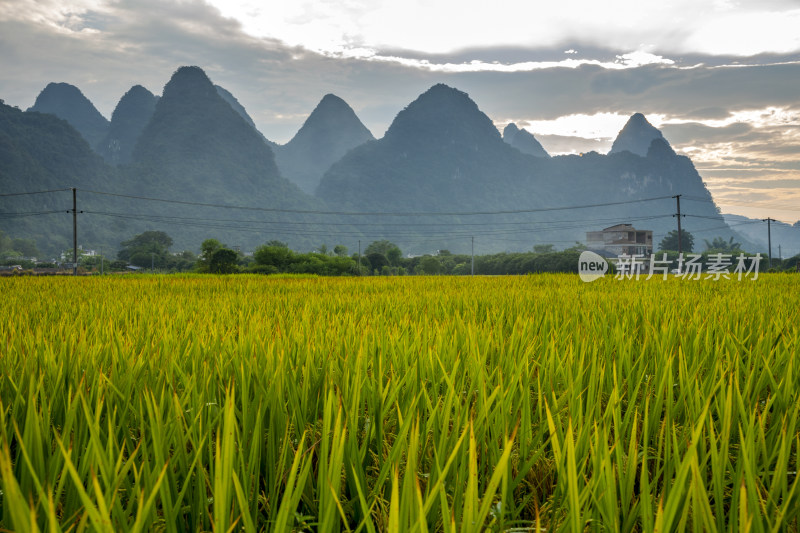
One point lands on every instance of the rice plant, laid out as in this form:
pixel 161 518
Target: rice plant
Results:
pixel 199 403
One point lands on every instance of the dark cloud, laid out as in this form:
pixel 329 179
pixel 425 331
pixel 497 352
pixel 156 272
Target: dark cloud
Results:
pixel 706 113
pixel 694 132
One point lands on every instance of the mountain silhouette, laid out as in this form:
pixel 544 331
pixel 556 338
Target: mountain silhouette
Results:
pixel 442 154
pixel 239 108
pixel 329 132
pixel 68 102
pixel 441 151
pixel 524 141
pixel 754 229
pixel 636 136
pixel 129 119
pixel 196 147
pixel 41 152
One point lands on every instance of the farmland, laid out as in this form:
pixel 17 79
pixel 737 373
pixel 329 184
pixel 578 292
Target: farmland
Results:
pixel 250 403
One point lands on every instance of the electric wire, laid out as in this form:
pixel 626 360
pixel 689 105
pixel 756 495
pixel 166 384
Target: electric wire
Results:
pixel 375 213
pixel 7 194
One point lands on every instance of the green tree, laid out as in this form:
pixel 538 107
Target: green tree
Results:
pixel 387 249
pixel 207 249
pixel 577 247
pixel 27 247
pixel 17 247
pixel 118 265
pixel 184 261
pixel 275 255
pixel 430 265
pixel 394 255
pixel 93 262
pixel 377 260
pixel 340 250
pixel 543 248
pixel 670 241
pixel 223 261
pixel 362 268
pixel 146 249
pixel 6 244
pixel 719 244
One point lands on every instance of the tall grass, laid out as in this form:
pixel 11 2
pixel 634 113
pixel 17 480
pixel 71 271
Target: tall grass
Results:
pixel 421 404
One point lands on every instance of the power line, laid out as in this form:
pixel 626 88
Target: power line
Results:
pixel 304 228
pixel 172 218
pixel 717 228
pixel 375 213
pixel 741 203
pixel 32 192
pixel 704 216
pixel 30 213
pixel 204 223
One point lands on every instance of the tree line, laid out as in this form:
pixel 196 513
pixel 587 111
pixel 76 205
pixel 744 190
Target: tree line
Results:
pixel 150 251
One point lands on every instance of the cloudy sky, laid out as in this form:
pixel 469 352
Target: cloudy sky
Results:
pixel 720 78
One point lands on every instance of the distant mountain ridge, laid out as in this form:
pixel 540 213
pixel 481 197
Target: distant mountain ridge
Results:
pixel 41 152
pixel 636 136
pixel 524 141
pixel 68 102
pixel 787 236
pixel 441 154
pixel 329 132
pixel 198 148
pixel 441 150
pixel 130 117
pixel 193 139
pixel 239 108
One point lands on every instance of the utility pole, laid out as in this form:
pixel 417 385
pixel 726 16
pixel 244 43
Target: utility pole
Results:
pixel 680 233
pixel 74 232
pixel 473 256
pixel 359 257
pixel 769 239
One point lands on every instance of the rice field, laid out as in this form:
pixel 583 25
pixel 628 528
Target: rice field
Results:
pixel 535 403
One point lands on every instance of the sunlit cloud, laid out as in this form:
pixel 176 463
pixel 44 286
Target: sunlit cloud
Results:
pixel 599 126
pixel 445 26
pixel 629 60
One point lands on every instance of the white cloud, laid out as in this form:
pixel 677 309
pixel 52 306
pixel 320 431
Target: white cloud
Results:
pixel 629 60
pixel 596 126
pixel 747 33
pixel 444 26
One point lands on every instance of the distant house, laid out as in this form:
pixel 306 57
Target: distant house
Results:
pixel 621 239
pixel 67 255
